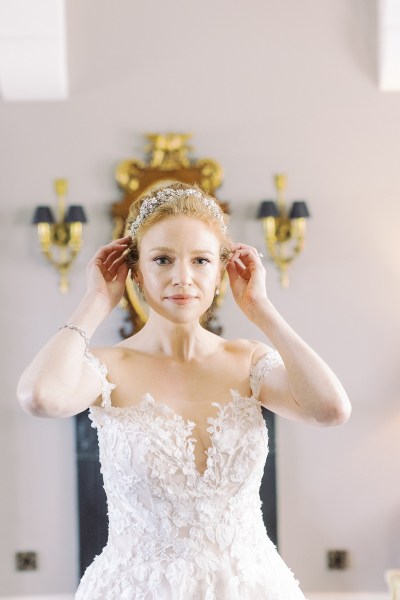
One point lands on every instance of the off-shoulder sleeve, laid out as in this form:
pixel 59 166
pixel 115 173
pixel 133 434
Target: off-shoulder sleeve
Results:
pixel 102 371
pixel 261 368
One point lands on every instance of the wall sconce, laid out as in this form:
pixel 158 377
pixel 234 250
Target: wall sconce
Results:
pixel 284 231
pixel 60 239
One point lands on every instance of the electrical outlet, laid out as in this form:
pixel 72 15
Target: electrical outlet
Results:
pixel 338 559
pixel 26 561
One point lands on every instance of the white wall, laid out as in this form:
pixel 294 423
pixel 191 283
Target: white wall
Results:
pixel 265 86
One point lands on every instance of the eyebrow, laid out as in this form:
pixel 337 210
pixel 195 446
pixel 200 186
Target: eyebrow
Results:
pixel 172 250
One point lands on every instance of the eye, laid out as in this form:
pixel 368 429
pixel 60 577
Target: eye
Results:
pixel 162 260
pixel 201 261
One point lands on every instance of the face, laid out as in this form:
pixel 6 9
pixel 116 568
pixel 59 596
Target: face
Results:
pixel 179 267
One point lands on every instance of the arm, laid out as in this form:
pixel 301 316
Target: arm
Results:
pixel 305 388
pixel 58 382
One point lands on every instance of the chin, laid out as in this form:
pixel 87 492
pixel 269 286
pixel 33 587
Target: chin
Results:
pixel 180 314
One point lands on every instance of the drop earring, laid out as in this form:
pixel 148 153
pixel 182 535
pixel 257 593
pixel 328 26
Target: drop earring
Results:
pixel 139 287
pixel 217 291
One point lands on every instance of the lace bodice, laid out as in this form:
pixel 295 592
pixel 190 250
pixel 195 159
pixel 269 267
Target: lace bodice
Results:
pixel 175 532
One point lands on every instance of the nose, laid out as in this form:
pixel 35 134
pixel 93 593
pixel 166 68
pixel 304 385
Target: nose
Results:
pixel 182 274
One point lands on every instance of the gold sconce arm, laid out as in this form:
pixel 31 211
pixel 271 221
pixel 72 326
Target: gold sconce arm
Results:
pixel 45 236
pixel 75 236
pixel 284 231
pixel 60 241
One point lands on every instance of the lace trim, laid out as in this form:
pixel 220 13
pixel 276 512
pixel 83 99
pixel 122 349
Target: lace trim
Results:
pixel 102 371
pixel 261 368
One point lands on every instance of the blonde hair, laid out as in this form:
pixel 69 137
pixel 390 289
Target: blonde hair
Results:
pixel 187 205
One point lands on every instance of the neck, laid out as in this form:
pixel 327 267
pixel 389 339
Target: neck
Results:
pixel 180 341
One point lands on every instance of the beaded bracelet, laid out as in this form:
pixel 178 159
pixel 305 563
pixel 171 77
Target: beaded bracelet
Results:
pixel 81 332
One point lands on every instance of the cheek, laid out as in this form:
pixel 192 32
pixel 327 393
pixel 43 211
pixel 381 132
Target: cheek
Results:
pixel 212 279
pixel 218 272
pixel 151 281
pixel 154 278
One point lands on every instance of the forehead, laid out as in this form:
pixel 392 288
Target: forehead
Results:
pixel 181 231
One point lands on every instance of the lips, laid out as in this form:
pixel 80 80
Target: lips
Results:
pixel 181 298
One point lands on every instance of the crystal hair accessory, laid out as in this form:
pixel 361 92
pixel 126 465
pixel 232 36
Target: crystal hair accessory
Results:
pixel 167 194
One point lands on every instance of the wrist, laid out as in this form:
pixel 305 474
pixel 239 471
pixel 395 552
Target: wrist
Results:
pixel 258 311
pixel 269 320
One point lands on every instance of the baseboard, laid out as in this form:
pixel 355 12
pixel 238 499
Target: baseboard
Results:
pixel 309 596
pixel 347 596
pixel 41 597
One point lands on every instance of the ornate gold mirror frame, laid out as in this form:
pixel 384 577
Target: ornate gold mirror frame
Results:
pixel 166 160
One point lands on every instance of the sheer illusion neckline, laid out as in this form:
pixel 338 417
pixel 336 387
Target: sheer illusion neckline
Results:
pixel 149 398
pixel 162 407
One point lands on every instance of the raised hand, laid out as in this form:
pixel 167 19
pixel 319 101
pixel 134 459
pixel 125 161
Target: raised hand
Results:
pixel 246 276
pixel 108 270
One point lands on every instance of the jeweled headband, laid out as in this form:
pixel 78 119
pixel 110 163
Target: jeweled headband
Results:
pixel 167 194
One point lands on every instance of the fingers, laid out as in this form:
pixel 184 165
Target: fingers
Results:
pixel 110 260
pixel 233 273
pixel 114 267
pixel 107 255
pixel 122 273
pixel 116 255
pixel 243 252
pixel 245 259
pixel 236 265
pixel 119 245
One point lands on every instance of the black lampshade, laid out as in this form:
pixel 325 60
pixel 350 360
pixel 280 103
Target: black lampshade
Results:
pixel 267 208
pixel 43 214
pixel 299 210
pixel 75 214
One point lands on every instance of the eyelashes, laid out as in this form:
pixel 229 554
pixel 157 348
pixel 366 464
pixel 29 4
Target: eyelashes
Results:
pixel 162 260
pixel 166 260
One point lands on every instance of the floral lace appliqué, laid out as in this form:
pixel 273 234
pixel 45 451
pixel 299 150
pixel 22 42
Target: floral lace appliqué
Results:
pixel 176 533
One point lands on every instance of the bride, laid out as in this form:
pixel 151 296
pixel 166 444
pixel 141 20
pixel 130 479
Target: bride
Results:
pixel 178 409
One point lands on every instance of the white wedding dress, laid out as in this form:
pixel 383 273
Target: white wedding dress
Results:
pixel 174 533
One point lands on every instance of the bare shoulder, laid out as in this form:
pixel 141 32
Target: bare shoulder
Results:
pixel 108 353
pixel 112 357
pixel 254 349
